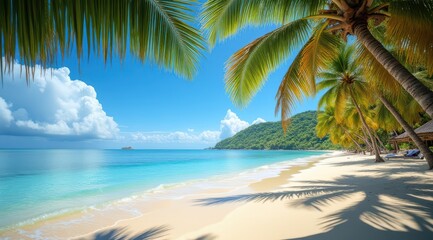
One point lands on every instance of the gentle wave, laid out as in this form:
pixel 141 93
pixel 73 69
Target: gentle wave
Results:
pixel 173 191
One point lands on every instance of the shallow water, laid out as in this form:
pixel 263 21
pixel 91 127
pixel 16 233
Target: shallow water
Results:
pixel 39 183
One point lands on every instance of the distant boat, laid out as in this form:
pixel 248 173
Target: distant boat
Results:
pixel 127 148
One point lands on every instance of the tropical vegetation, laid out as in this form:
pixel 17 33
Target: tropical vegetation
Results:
pixel 269 135
pixel 36 32
pixel 386 70
pixel 318 26
pixel 391 37
pixel 346 83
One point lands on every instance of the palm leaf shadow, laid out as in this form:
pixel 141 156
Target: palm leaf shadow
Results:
pixel 206 237
pixel 370 217
pixel 121 234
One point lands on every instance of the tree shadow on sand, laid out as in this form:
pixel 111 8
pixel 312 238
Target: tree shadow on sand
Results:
pixel 378 215
pixel 122 234
pixel 403 165
pixel 206 237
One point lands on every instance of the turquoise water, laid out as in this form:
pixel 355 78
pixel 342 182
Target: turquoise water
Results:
pixel 34 183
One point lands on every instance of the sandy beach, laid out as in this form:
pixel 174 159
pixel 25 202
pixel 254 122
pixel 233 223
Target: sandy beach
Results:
pixel 339 197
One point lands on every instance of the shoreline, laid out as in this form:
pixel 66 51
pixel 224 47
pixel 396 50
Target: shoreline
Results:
pixel 340 196
pixel 190 201
pixel 181 190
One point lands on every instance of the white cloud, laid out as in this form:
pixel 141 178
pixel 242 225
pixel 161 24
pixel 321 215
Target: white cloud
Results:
pixel 52 105
pixel 5 113
pixel 210 136
pixel 231 124
pixel 258 121
pixel 176 137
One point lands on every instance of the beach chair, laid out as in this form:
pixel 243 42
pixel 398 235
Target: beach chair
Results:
pixel 410 154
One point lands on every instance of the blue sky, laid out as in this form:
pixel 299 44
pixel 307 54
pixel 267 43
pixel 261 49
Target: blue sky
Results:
pixel 132 103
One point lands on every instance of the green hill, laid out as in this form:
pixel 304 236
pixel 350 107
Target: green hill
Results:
pixel 300 135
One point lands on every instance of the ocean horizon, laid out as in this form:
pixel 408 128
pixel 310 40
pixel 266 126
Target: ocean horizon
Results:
pixel 37 184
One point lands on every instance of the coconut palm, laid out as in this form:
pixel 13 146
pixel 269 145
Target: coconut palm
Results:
pixel 337 131
pixel 316 26
pixel 158 31
pixel 428 155
pixel 401 102
pixel 343 83
pixel 353 122
pixel 345 77
pixel 395 104
pixel 387 91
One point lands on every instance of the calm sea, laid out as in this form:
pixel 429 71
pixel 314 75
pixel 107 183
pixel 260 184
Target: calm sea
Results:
pixel 37 183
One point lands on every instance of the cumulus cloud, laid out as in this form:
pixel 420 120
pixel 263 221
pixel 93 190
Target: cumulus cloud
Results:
pixel 231 124
pixel 52 105
pixel 258 120
pixel 5 113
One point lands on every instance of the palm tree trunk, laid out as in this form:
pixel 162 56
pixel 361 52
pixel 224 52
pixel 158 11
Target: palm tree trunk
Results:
pixel 365 139
pixel 373 140
pixel 428 155
pixel 355 142
pixel 379 141
pixel 362 139
pixel 351 138
pixel 422 94
pixel 359 136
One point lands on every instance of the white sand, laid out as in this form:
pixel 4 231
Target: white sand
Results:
pixel 340 198
pixel 345 197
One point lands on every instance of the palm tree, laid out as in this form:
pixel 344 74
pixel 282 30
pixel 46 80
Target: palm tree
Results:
pixel 353 121
pixel 160 31
pixel 344 75
pixel 428 155
pixel 337 131
pixel 317 26
pixel 385 87
pixel 344 84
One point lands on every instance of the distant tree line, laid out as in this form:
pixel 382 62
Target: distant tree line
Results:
pixel 301 134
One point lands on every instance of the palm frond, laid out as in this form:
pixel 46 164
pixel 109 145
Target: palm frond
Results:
pixel 362 93
pixel 248 68
pixel 317 53
pixel 328 98
pixel 300 77
pixel 374 73
pixel 327 75
pixel 26 31
pixel 341 99
pixel 325 122
pixel 326 83
pixel 406 104
pixel 380 80
pixel 410 29
pixel 291 89
pixel 424 77
pixel 385 119
pixel 162 28
pixel 223 18
pixel 159 31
